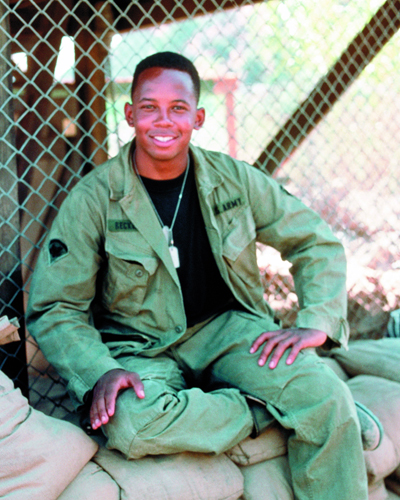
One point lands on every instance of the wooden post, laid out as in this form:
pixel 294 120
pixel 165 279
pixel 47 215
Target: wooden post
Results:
pixel 365 46
pixel 227 86
pixel 32 129
pixel 12 356
pixel 90 55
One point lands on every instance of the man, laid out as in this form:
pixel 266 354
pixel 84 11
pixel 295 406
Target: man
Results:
pixel 147 299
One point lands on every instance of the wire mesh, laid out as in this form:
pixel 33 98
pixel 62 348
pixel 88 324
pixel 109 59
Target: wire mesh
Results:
pixel 307 91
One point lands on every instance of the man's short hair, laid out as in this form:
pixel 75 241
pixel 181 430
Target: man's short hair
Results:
pixel 168 60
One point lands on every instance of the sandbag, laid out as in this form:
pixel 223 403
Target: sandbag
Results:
pixel 382 397
pixel 393 481
pixel 392 484
pixel 39 455
pixel 183 476
pixel 371 357
pixel 269 480
pixel 92 483
pixel 270 444
pixel 378 491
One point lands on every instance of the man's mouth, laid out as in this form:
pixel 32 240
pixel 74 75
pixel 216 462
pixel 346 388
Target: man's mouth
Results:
pixel 163 138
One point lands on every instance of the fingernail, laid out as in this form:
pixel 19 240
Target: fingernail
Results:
pixel 272 365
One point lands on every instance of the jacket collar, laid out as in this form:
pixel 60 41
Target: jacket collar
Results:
pixel 123 180
pixel 207 176
pixel 126 189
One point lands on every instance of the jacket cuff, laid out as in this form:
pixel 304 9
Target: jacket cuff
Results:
pixel 337 329
pixel 78 386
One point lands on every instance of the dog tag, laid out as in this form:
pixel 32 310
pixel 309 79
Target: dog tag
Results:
pixel 167 233
pixel 174 255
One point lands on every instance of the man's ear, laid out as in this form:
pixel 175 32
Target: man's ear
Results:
pixel 128 109
pixel 200 118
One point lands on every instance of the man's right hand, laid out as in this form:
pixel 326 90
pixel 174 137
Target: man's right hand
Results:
pixel 106 391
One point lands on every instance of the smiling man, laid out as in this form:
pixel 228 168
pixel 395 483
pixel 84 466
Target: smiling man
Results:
pixel 154 311
pixel 163 121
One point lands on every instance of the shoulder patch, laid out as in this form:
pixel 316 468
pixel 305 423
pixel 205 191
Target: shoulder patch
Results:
pixel 57 249
pixel 220 208
pixel 120 225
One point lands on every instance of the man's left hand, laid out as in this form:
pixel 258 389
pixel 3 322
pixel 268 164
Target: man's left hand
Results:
pixel 279 341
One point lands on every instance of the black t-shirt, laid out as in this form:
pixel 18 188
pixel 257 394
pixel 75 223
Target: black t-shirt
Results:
pixel 204 291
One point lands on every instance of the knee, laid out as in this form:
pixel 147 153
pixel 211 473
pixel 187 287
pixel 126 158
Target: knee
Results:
pixel 328 390
pixel 138 420
pixel 313 391
pixel 337 398
pixel 325 407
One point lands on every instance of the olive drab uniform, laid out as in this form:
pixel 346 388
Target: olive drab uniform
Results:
pixel 106 295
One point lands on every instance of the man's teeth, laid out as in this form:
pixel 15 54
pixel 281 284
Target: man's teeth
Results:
pixel 163 138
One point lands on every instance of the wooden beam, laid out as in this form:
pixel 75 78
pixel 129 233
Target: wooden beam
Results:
pixel 365 46
pixel 12 356
pixel 42 59
pixel 90 56
pixel 25 15
pixel 146 13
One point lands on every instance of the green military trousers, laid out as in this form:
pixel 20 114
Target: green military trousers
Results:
pixel 195 401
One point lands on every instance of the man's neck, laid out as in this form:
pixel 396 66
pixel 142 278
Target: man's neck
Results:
pixel 160 169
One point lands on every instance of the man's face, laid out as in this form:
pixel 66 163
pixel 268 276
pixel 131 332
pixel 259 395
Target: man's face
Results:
pixel 164 113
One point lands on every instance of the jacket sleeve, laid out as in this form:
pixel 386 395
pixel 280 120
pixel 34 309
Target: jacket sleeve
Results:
pixel 317 257
pixel 62 291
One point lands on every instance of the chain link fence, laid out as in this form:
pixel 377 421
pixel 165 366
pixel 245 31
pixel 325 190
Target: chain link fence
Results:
pixel 307 91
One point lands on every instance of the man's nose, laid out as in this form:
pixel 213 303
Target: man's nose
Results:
pixel 163 118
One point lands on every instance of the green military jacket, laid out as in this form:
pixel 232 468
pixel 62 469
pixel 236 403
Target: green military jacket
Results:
pixel 105 268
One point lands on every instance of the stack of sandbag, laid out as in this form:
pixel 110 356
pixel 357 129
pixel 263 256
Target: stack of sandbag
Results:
pixel 44 458
pixel 257 469
pixel 253 469
pixel 41 456
pixel 371 368
pixel 373 371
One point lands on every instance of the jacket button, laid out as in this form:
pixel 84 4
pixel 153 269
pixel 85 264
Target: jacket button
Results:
pixel 178 329
pixel 139 273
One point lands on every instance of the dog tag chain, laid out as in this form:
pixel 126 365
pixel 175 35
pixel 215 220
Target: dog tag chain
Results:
pixel 171 247
pixel 173 250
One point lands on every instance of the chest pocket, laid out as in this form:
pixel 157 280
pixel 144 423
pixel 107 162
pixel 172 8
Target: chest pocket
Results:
pixel 127 274
pixel 239 248
pixel 238 234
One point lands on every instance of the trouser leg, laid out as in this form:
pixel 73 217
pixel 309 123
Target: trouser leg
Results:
pixel 324 447
pixel 172 418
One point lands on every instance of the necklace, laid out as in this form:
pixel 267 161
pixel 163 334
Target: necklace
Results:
pixel 166 229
